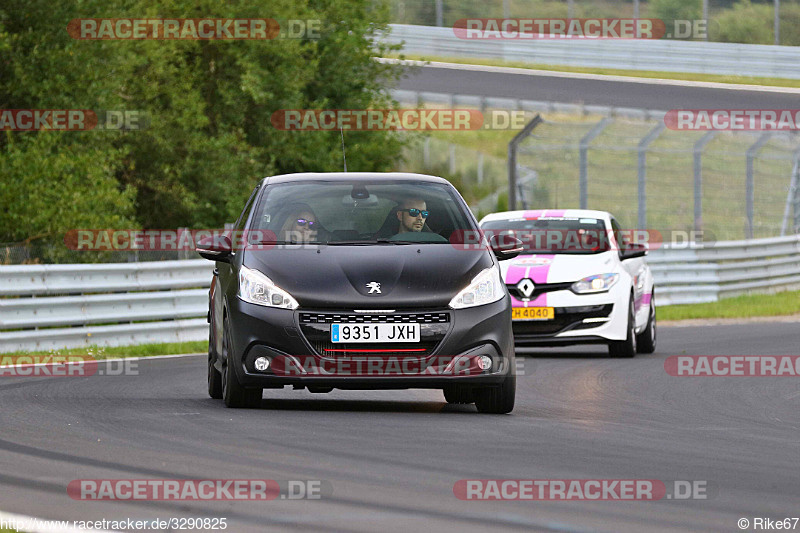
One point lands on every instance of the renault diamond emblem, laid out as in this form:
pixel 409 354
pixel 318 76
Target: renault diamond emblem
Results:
pixel 526 287
pixel 373 287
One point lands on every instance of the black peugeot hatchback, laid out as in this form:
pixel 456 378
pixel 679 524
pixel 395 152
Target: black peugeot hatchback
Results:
pixel 359 281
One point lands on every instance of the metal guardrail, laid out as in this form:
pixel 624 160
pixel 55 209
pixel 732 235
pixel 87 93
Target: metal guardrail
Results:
pixel 725 269
pixel 628 54
pixel 45 307
pixel 407 97
pixel 135 303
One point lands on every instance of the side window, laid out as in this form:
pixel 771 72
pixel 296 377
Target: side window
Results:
pixel 239 226
pixel 621 244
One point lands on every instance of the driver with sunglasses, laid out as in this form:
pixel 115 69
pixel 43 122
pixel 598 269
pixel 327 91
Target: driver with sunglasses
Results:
pixel 412 214
pixel 301 225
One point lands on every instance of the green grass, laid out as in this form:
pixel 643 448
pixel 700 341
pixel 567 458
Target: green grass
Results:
pixel 680 76
pixel 751 305
pixel 141 350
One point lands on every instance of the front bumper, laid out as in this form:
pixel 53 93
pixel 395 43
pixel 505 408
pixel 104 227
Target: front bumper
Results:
pixel 279 335
pixel 580 319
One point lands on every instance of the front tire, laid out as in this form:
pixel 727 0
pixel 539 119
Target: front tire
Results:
pixel 497 400
pixel 626 348
pixel 233 393
pixel 646 342
pixel 214 375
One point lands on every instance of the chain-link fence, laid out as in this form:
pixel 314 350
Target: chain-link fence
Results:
pixel 481 178
pixel 733 185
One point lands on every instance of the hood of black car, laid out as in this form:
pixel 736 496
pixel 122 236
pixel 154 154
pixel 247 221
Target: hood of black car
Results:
pixel 383 276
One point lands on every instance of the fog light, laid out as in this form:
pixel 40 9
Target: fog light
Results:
pixel 261 364
pixel 484 362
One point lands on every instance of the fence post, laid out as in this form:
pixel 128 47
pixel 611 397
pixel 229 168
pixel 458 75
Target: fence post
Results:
pixel 480 168
pixel 512 159
pixel 642 171
pixel 750 182
pixel 426 153
pixel 452 158
pixel 583 182
pixel 792 197
pixel 698 178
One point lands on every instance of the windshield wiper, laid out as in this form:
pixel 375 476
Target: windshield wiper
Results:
pixel 347 243
pixel 382 240
pixel 283 242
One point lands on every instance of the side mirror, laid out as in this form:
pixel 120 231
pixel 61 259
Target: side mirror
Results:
pixel 633 250
pixel 505 246
pixel 217 248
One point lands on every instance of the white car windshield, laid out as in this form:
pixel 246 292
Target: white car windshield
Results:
pixel 554 235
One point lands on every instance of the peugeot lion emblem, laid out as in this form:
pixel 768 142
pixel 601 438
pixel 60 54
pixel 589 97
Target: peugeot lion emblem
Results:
pixel 374 287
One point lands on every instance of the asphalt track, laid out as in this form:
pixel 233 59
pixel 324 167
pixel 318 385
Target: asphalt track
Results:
pixel 592 90
pixel 392 458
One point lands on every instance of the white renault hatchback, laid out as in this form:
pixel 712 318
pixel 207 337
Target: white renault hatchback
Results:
pixel 580 279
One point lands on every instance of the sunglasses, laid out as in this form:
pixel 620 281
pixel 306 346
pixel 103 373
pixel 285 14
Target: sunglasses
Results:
pixel 303 222
pixel 415 212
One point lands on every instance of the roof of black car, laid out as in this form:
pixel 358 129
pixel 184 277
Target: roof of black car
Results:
pixel 353 176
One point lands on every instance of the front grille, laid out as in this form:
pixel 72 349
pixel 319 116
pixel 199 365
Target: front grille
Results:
pixel 330 318
pixel 566 318
pixel 539 289
pixel 315 327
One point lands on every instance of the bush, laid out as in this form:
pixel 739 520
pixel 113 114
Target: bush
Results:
pixel 753 23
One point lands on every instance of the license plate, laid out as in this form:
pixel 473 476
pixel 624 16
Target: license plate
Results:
pixel 375 333
pixel 533 313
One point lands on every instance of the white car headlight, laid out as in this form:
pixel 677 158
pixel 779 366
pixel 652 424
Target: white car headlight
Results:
pixel 592 284
pixel 256 288
pixel 485 288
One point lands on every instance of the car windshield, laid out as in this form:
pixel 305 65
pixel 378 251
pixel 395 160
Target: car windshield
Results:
pixel 554 235
pixel 359 213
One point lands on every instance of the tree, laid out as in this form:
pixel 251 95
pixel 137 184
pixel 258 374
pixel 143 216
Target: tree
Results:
pixel 208 104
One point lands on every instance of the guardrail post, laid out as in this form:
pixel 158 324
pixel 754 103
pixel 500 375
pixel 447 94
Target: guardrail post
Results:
pixel 750 182
pixel 698 179
pixel 583 182
pixel 512 159
pixel 642 171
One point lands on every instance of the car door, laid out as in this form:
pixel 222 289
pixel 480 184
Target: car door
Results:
pixel 226 273
pixel 636 267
